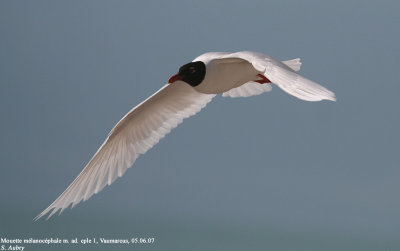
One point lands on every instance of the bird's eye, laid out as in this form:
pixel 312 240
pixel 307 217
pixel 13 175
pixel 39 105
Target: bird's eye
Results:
pixel 192 70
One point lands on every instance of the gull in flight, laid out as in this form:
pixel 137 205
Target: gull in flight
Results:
pixel 240 74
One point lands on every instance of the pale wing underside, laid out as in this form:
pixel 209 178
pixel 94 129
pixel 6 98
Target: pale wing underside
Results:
pixel 253 88
pixel 283 75
pixel 248 89
pixel 133 135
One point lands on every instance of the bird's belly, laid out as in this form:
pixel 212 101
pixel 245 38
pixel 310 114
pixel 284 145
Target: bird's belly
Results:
pixel 221 78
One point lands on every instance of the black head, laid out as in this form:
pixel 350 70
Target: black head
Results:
pixel 192 73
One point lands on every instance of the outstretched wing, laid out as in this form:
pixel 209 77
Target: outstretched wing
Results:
pixel 133 135
pixel 284 76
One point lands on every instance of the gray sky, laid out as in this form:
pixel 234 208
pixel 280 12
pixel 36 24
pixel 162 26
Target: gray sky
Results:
pixel 269 171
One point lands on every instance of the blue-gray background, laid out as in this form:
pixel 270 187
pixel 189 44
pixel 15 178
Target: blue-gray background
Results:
pixel 269 172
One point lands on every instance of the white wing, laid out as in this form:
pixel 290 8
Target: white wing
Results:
pixel 247 89
pixel 282 75
pixel 133 135
pixel 253 88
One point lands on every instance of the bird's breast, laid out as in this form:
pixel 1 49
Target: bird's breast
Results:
pixel 221 77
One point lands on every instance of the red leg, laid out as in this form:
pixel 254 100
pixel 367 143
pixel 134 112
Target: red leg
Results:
pixel 263 79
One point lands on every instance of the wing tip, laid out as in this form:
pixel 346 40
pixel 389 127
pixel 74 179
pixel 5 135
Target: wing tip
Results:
pixel 46 211
pixel 329 96
pixel 334 99
pixel 315 98
pixel 52 209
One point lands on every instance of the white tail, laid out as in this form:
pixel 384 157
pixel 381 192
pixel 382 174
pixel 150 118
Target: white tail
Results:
pixel 294 64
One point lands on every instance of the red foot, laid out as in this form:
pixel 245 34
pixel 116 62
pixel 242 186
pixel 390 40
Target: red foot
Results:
pixel 263 79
